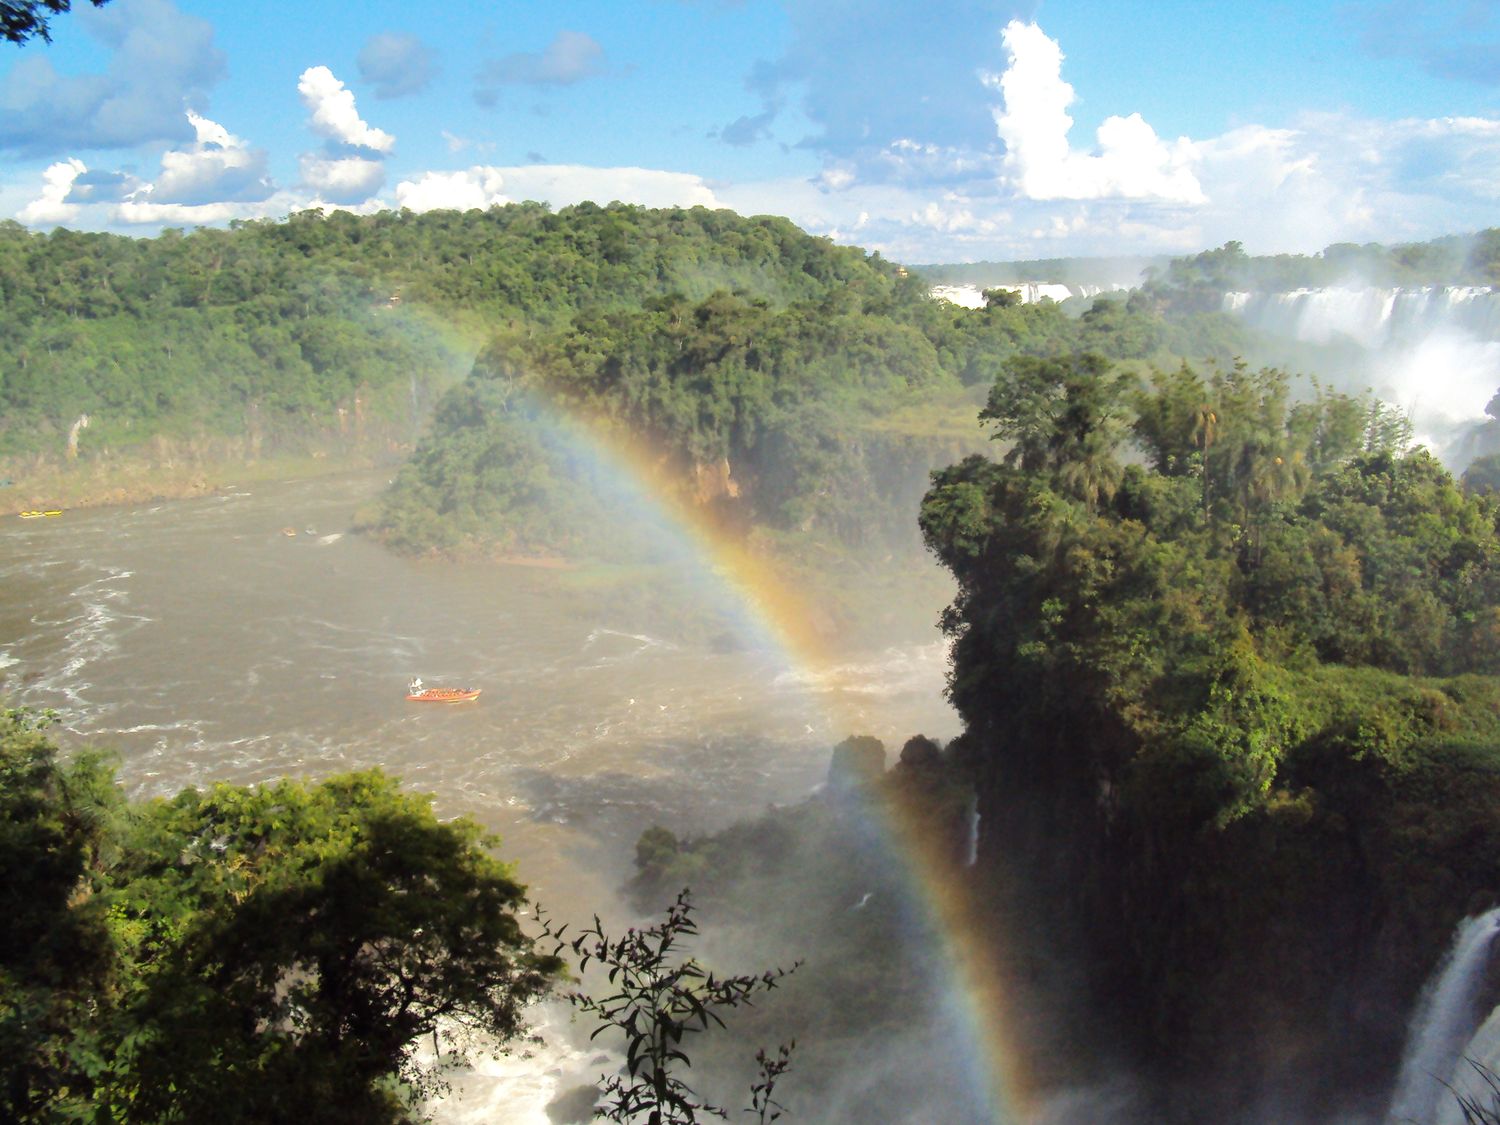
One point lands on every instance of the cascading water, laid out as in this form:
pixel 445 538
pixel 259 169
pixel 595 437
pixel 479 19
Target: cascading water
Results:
pixel 1433 352
pixel 1445 1021
pixel 971 847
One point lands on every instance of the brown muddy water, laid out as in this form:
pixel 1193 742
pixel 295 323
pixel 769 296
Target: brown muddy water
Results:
pixel 201 642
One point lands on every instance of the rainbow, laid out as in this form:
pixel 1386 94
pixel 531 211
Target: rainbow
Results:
pixel 779 616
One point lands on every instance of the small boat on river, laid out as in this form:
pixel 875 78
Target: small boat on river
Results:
pixel 36 514
pixel 416 693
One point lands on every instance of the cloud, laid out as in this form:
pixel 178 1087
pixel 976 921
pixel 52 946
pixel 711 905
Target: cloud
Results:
pixel 102 187
pixel 477 187
pixel 343 179
pixel 1132 162
pixel 334 115
pixel 51 208
pixel 564 184
pixel 570 58
pixel 557 184
pixel 161 61
pixel 219 167
pixel 748 129
pixel 144 212
pixel 396 64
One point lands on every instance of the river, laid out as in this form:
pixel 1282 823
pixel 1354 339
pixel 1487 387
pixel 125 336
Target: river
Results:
pixel 201 642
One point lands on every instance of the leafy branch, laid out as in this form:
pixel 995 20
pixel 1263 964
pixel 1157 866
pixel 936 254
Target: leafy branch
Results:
pixel 658 997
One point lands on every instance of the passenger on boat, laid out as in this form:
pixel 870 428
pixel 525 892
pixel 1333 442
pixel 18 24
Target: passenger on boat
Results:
pixel 415 687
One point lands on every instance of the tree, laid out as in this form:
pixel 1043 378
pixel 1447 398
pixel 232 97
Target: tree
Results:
pixel 1064 417
pixel 240 955
pixel 21 20
pixel 55 951
pixel 659 998
pixel 292 942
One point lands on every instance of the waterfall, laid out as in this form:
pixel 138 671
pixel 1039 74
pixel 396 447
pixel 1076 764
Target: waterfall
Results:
pixel 1434 352
pixel 1372 317
pixel 1445 1020
pixel 971 848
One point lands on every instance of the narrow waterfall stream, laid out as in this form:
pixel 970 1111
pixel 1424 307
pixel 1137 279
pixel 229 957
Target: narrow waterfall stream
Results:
pixel 1447 1015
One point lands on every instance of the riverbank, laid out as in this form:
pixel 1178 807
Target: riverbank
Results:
pixel 98 483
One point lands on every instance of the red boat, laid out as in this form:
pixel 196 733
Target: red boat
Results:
pixel 416 693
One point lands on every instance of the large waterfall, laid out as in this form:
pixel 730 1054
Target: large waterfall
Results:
pixel 1445 1021
pixel 1434 352
pixel 1372 317
pixel 1029 292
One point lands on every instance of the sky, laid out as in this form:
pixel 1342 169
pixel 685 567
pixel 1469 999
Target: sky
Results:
pixel 930 130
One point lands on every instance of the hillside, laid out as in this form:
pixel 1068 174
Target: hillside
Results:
pixel 293 334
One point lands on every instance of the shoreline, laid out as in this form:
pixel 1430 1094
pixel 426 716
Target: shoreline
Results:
pixel 98 484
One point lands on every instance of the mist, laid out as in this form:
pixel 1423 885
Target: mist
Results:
pixel 1432 351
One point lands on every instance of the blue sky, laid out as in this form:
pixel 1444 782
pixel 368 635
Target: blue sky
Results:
pixel 941 131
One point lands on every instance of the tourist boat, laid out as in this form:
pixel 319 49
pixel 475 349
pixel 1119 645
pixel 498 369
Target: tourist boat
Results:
pixel 36 515
pixel 417 694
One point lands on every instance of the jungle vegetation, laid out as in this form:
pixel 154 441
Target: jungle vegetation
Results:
pixel 240 954
pixel 1231 712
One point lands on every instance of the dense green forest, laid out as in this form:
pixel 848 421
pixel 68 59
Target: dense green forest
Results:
pixel 1231 713
pixel 253 955
pixel 822 410
pixel 290 331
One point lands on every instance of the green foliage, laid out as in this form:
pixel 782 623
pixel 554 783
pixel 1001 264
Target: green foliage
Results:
pixel 1197 700
pixel 272 328
pixel 659 997
pixel 772 407
pixel 241 954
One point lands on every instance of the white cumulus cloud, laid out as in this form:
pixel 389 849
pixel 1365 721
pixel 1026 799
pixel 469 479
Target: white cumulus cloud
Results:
pixel 563 184
pixel 1132 162
pixel 477 187
pixel 49 208
pixel 218 167
pixel 342 179
pixel 334 115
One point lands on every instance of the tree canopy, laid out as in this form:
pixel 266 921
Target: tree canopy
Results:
pixel 240 954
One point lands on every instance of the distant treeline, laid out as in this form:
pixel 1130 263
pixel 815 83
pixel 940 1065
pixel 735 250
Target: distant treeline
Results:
pixel 1200 282
pixel 1052 271
pixel 1472 259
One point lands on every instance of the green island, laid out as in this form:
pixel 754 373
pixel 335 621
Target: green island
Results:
pixel 1225 648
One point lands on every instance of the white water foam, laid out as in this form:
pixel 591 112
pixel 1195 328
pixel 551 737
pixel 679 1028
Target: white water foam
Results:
pixel 516 1088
